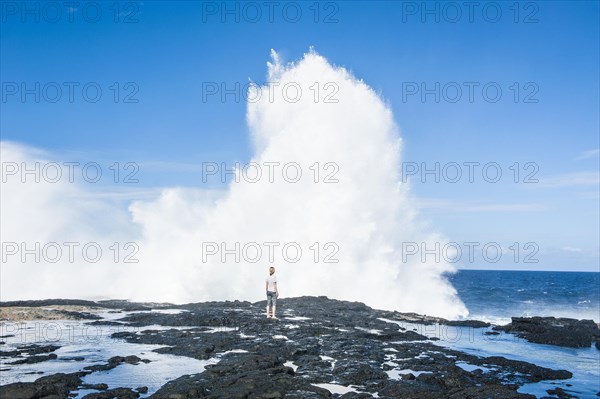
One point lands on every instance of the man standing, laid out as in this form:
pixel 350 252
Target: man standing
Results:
pixel 272 292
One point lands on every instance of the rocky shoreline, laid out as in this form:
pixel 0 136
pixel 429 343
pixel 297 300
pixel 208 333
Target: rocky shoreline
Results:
pixel 319 348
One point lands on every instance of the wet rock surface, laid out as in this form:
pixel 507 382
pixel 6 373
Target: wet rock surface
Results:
pixel 31 349
pixel 555 331
pixel 316 341
pixel 28 354
pixel 118 393
pixel 115 361
pixel 49 387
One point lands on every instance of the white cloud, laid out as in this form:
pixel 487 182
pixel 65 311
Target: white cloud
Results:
pixel 588 154
pixel 170 166
pixel 477 206
pixel 587 178
pixel 571 249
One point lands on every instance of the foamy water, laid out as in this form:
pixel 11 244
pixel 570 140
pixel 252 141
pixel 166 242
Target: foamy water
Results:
pixel 347 222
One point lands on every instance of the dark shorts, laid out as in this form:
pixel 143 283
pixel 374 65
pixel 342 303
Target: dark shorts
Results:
pixel 271 298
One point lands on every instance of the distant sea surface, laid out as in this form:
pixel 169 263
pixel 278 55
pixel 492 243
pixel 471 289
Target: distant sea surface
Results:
pixel 495 296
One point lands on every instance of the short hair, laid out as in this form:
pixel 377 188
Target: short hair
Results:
pixel 271 268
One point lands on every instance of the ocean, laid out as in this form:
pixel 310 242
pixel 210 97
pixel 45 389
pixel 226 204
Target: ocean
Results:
pixel 498 295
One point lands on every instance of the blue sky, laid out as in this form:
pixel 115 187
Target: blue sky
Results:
pixel 165 51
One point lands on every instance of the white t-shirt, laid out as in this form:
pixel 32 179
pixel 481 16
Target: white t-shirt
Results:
pixel 271 280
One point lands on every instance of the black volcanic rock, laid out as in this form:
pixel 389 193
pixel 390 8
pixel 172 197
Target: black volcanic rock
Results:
pixel 115 361
pixel 117 393
pixel 30 354
pixel 35 359
pixel 56 386
pixel 31 349
pixel 560 393
pixel 243 376
pixel 315 341
pixel 554 331
pixel 325 340
pixel 97 387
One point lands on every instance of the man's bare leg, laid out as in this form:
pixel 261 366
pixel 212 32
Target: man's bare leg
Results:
pixel 274 307
pixel 268 312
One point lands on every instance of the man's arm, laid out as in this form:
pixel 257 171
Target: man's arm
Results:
pixel 266 286
pixel 276 290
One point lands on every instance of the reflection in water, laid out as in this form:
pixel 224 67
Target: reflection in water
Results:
pixel 93 344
